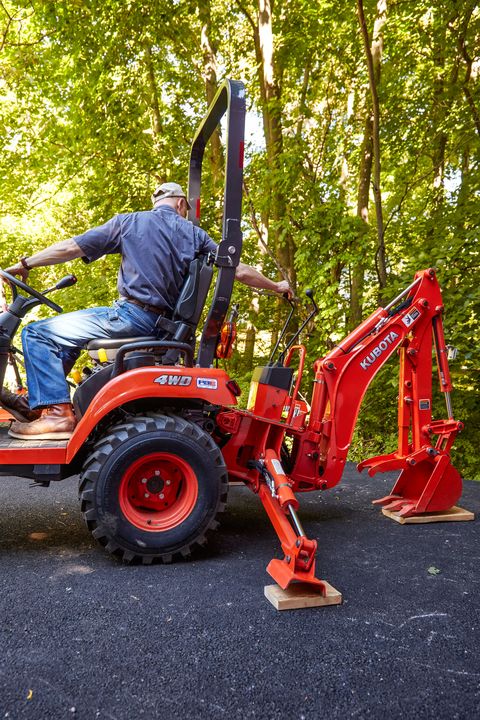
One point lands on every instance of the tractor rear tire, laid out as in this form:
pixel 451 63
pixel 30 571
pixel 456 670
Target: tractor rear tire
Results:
pixel 152 488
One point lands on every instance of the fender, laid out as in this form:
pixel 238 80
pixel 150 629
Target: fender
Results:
pixel 206 384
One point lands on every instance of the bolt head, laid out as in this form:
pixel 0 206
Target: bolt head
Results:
pixel 147 495
pixel 144 480
pixel 169 482
pixel 161 496
pixel 157 472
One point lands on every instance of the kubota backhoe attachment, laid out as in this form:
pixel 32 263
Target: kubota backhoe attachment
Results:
pixel 428 482
pixel 313 440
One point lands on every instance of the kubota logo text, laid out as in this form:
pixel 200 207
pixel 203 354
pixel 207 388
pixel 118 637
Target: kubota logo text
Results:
pixel 173 379
pixel 378 350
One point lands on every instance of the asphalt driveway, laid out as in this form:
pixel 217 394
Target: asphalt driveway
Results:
pixel 84 636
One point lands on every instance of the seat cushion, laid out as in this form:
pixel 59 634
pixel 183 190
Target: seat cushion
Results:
pixel 115 343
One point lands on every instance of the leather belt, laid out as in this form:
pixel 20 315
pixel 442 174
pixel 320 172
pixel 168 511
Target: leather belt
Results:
pixel 145 306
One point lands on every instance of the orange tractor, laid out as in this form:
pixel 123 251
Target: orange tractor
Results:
pixel 160 437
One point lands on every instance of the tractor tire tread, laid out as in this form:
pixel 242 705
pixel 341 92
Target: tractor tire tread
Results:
pixel 117 435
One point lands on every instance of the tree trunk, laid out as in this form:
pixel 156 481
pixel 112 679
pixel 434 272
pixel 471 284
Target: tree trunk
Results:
pixel 248 353
pixel 270 95
pixel 373 54
pixel 209 74
pixel 272 120
pixel 155 116
pixel 358 269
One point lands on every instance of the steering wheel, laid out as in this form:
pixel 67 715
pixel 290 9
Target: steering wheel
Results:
pixel 34 293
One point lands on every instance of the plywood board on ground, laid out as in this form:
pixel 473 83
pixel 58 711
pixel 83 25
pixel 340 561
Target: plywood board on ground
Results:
pixel 455 514
pixel 301 596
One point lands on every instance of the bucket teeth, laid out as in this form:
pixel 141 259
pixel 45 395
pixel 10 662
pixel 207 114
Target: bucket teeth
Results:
pixel 395 505
pixel 403 507
pixel 387 499
pixel 408 509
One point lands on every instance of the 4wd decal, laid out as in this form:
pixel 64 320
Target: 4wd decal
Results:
pixel 379 350
pixel 168 379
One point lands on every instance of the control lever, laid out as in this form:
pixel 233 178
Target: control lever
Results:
pixel 309 294
pixel 65 282
pixel 284 329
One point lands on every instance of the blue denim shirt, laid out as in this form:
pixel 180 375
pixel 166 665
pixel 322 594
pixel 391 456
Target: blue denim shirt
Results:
pixel 157 247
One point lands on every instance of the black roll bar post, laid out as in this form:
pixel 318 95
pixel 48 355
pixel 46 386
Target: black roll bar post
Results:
pixel 230 99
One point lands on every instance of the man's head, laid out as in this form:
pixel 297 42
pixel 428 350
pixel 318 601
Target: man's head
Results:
pixel 171 193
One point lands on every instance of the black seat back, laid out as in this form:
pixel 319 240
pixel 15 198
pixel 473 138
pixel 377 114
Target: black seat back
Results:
pixel 191 300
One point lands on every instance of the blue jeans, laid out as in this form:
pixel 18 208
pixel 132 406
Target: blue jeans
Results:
pixel 52 346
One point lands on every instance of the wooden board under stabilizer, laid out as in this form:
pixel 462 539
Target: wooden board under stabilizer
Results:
pixel 455 514
pixel 301 595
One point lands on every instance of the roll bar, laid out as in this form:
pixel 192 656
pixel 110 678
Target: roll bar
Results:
pixel 230 99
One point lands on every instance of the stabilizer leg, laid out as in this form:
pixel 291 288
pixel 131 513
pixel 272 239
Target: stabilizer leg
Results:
pixel 278 499
pixel 298 565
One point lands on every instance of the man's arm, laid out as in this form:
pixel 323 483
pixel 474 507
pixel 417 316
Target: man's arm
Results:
pixel 59 252
pixel 248 275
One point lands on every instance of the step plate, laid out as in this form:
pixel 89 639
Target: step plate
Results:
pixel 10 443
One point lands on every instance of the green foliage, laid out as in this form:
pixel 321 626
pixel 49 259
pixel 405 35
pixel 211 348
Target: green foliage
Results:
pixel 99 102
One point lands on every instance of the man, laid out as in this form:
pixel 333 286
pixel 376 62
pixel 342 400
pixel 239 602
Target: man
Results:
pixel 157 247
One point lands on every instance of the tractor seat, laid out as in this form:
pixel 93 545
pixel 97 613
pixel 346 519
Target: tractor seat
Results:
pixel 181 328
pixel 111 345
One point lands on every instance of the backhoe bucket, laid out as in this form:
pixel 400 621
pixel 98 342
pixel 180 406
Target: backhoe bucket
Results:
pixel 428 486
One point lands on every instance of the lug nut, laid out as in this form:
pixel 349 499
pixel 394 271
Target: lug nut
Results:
pixel 157 472
pixel 147 495
pixel 144 480
pixel 161 496
pixel 169 482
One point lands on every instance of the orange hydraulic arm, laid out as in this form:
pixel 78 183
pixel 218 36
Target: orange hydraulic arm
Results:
pixel 408 325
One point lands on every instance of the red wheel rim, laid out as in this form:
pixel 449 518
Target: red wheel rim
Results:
pixel 158 492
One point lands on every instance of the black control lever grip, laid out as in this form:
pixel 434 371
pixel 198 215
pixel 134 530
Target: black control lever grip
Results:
pixel 66 281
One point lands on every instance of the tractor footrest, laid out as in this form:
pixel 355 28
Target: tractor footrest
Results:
pixel 455 514
pixel 301 595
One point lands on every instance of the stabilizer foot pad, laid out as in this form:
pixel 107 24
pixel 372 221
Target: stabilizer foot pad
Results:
pixel 301 595
pixel 455 514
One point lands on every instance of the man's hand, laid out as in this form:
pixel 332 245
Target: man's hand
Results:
pixel 283 288
pixel 18 269
pixel 249 275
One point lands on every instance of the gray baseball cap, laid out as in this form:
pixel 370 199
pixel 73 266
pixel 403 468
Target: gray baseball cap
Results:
pixel 167 190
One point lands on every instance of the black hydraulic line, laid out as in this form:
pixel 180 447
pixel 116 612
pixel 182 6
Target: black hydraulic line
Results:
pixel 391 313
pixel 314 312
pixel 283 330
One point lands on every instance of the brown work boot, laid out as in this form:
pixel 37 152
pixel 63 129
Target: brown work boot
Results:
pixel 56 422
pixel 17 405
